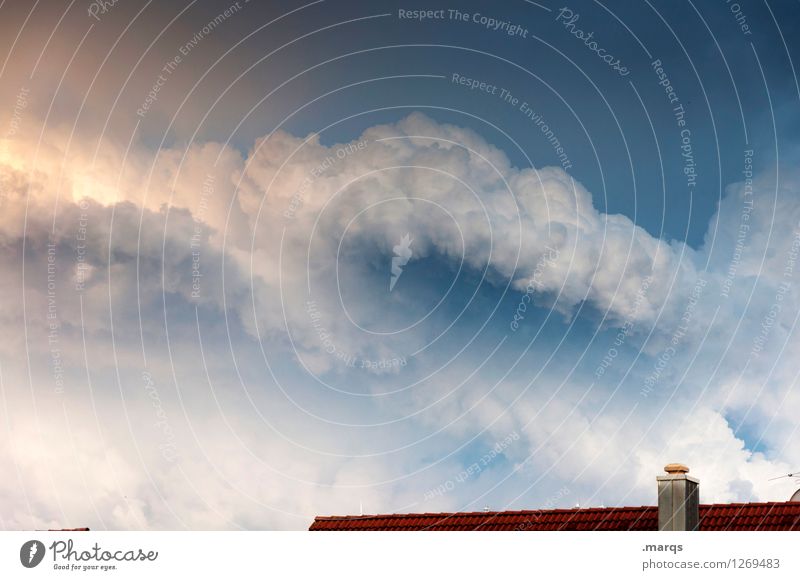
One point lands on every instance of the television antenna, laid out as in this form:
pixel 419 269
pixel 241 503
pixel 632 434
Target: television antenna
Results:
pixel 795 475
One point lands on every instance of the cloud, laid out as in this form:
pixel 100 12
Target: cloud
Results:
pixel 156 251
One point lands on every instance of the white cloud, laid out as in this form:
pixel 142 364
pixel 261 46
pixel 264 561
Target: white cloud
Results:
pixel 457 197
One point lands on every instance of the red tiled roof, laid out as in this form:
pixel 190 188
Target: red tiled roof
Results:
pixel 713 517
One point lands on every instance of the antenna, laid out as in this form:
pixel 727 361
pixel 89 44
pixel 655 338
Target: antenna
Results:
pixel 796 494
pixel 795 474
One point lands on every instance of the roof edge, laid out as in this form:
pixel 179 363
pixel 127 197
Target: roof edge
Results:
pixel 441 515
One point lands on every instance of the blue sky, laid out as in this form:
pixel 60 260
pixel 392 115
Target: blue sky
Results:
pixel 305 269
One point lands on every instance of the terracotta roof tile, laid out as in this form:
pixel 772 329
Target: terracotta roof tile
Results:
pixel 716 517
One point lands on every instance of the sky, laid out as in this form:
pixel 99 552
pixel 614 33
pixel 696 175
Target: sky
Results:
pixel 267 261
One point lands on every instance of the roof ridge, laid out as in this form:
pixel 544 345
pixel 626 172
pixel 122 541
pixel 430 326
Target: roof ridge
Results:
pixel 749 504
pixel 446 515
pixel 483 514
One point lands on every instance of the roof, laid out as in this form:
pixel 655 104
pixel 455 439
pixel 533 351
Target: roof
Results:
pixel 776 516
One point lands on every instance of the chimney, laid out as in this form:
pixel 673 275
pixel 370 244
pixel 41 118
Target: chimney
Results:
pixel 678 499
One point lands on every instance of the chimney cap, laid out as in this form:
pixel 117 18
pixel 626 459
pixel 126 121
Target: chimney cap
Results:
pixel 676 468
